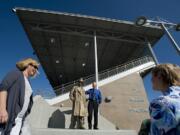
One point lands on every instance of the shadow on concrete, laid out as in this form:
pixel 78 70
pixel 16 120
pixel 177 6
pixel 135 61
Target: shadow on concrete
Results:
pixel 57 120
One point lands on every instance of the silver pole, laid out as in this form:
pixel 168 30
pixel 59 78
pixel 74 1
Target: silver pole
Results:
pixel 153 54
pixel 175 45
pixel 96 59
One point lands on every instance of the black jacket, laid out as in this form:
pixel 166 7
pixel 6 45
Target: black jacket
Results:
pixel 14 84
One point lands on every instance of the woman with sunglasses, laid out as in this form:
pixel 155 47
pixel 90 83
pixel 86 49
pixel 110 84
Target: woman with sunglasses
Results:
pixel 16 98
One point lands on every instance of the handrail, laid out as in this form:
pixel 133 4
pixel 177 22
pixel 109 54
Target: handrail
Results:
pixel 104 74
pixel 57 87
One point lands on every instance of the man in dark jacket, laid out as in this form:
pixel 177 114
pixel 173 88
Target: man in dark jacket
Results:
pixel 93 104
pixel 16 98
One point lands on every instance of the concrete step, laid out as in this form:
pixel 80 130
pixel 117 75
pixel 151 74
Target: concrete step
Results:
pixel 66 111
pixel 81 132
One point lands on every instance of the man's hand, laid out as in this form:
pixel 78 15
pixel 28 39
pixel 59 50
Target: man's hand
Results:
pixel 3 116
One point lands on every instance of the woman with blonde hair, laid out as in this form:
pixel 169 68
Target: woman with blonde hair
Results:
pixel 16 98
pixel 165 110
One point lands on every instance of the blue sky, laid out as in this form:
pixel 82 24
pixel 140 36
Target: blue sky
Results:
pixel 14 44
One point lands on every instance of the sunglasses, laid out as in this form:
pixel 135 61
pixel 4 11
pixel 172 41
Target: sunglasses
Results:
pixel 34 66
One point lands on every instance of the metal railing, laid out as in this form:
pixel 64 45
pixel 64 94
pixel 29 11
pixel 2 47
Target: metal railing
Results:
pixel 104 74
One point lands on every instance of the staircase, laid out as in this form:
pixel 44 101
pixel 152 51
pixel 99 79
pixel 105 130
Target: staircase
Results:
pixel 81 132
pixel 47 120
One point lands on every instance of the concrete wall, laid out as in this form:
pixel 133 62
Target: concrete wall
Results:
pixel 129 105
pixel 45 116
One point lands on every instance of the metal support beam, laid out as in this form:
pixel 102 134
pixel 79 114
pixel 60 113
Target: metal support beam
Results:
pixel 96 58
pixel 175 45
pixel 153 54
pixel 133 40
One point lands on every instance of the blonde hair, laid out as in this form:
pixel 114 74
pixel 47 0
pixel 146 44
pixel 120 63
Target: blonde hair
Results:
pixel 170 73
pixel 23 64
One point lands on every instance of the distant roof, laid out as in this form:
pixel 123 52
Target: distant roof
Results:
pixel 64 42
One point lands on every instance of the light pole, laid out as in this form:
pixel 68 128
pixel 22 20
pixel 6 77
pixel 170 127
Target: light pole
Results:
pixel 96 60
pixel 165 25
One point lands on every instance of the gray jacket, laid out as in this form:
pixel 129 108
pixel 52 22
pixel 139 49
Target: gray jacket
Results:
pixel 14 84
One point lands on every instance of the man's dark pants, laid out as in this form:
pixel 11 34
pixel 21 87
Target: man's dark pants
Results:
pixel 93 108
